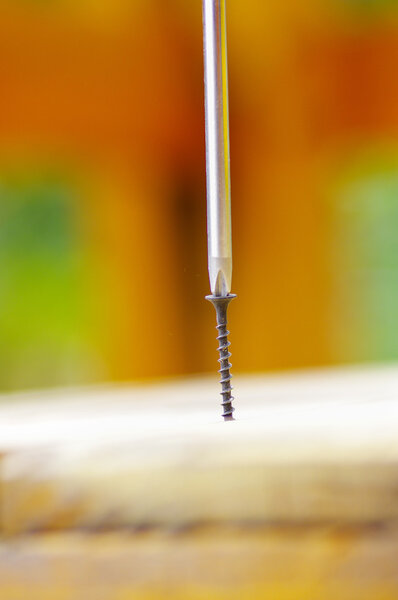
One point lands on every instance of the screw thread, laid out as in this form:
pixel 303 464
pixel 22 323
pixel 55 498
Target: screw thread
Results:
pixel 221 304
pixel 224 371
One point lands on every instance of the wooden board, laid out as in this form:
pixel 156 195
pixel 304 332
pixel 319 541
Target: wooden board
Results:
pixel 304 448
pixel 295 499
pixel 211 564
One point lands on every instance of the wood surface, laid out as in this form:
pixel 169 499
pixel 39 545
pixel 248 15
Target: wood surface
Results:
pixel 145 491
pixel 211 564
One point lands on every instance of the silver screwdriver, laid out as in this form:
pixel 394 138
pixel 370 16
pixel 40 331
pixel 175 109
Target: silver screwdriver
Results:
pixel 219 236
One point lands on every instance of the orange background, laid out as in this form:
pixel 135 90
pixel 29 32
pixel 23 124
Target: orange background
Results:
pixel 107 98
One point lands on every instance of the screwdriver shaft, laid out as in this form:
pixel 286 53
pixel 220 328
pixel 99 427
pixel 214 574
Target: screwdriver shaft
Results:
pixel 217 147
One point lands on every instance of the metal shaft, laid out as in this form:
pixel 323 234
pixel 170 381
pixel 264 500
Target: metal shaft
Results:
pixel 217 147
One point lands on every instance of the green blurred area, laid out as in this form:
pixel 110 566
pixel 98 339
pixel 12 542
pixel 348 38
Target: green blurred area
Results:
pixel 43 312
pixel 365 250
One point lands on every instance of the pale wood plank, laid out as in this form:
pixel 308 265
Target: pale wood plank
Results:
pixel 307 447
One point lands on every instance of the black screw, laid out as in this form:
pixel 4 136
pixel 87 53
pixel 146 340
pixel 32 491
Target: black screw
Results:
pixel 221 303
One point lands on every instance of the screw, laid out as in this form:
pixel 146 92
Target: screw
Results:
pixel 221 303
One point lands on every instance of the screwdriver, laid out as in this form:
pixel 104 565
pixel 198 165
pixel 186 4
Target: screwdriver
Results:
pixel 219 236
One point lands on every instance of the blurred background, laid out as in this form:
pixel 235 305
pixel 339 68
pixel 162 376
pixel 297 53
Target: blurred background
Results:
pixel 103 254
